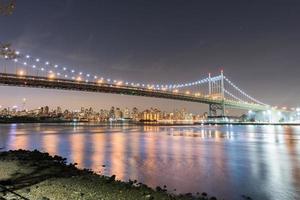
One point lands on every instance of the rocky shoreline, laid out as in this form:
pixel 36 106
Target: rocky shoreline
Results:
pixel 38 176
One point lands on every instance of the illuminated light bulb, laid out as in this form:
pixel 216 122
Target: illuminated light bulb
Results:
pixel 55 66
pixel 5 56
pixel 21 73
pixel 33 66
pixel 51 76
pixel 58 74
pixel 17 53
pixel 86 81
pixel 78 78
pixel 64 69
pixel 108 80
pixel 47 63
pixel 66 76
pixel 73 77
pixel 15 60
pixel 37 60
pixel 27 56
pixel 88 75
pixel 80 73
pixel 95 77
pixel 42 69
pixel 25 63
pixel 72 70
pixel 100 81
pixel 187 92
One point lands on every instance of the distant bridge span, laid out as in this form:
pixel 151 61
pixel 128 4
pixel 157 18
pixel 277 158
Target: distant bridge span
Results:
pixel 66 84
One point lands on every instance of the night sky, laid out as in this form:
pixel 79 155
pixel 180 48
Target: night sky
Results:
pixel 255 42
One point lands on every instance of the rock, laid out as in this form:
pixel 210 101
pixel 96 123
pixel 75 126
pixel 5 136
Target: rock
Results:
pixel 149 197
pixel 158 189
pixel 27 190
pixel 112 178
pixel 2 189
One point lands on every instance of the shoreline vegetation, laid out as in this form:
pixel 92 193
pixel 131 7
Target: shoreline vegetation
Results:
pixel 38 176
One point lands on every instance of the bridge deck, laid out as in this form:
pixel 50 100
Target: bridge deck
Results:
pixel 65 84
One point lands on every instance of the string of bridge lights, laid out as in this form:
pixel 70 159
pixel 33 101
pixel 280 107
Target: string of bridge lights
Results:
pixel 67 73
pixel 244 93
pixel 233 96
pixel 64 72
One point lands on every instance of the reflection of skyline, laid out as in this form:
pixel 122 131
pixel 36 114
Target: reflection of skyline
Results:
pixel 171 155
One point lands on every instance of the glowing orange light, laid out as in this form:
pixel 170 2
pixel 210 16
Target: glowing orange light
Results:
pixel 21 73
pixel 51 76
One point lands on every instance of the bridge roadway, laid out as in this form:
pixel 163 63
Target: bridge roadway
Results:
pixel 65 84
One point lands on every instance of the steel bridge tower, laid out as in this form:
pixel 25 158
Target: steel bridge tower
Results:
pixel 216 90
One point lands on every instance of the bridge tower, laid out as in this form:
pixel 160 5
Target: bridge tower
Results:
pixel 216 88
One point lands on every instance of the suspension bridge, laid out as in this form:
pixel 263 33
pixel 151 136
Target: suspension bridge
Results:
pixel 218 91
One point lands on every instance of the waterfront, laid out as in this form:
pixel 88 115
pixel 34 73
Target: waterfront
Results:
pixel 225 161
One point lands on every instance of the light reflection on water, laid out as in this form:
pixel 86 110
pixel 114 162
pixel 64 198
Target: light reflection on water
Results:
pixel 226 161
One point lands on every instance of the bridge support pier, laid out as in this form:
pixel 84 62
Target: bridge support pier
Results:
pixel 214 108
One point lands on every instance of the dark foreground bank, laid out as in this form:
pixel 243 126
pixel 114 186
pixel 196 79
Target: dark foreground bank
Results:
pixel 38 176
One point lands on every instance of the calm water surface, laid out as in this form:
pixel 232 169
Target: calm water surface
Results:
pixel 226 161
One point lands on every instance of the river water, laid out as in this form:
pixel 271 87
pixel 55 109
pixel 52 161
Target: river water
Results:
pixel 225 161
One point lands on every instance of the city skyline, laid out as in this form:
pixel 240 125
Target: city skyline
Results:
pixel 148 64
